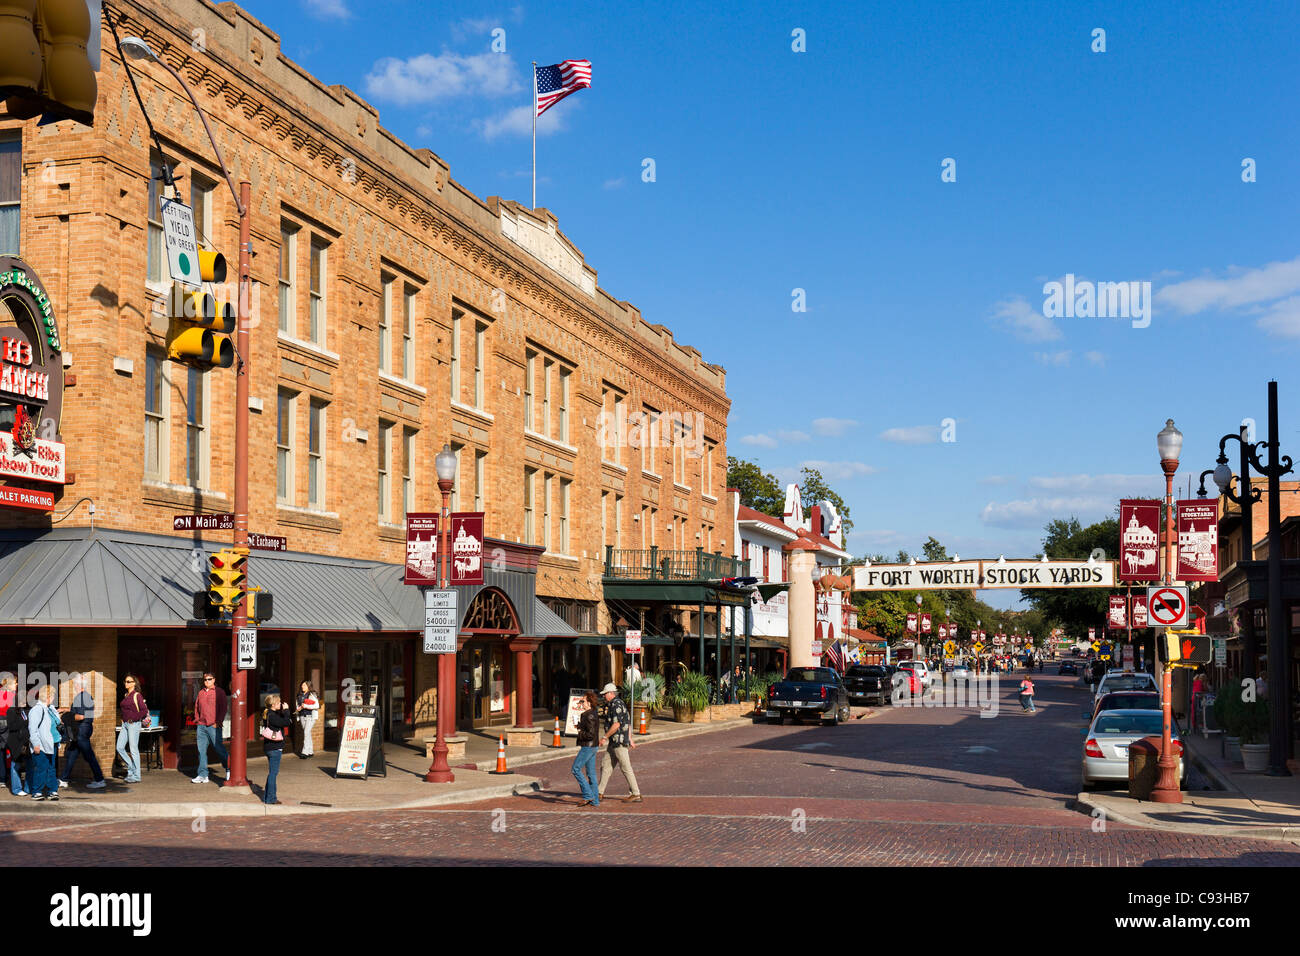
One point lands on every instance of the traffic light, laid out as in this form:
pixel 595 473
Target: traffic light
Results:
pixel 205 610
pixel 260 606
pixel 227 570
pixel 44 63
pixel 200 325
pixel 1185 647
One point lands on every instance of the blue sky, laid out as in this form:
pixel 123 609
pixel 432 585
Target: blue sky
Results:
pixel 778 170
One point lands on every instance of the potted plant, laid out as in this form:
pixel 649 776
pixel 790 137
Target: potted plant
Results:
pixel 1227 714
pixel 687 696
pixel 646 697
pixel 1253 729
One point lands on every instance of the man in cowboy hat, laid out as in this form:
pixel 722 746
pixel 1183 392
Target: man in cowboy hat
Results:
pixel 617 725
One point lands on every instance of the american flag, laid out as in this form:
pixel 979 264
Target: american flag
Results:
pixel 836 654
pixel 556 82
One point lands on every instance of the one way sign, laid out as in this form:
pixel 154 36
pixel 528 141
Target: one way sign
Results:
pixel 1167 605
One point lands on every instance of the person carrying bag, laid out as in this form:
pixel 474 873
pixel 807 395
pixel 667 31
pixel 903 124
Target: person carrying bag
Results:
pixel 276 719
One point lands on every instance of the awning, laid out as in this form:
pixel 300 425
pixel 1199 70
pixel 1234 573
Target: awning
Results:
pixel 657 640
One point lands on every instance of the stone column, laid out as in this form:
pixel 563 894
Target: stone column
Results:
pixel 523 734
pixel 803 604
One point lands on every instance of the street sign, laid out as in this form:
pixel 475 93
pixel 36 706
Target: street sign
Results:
pixel 182 243
pixel 1128 658
pixel 1220 652
pixel 224 521
pixel 817 649
pixel 440 622
pixel 247 649
pixel 1167 606
pixel 633 642
pixel 1092 636
pixel 950 648
pixel 267 542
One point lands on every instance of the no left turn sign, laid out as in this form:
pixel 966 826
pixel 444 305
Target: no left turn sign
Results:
pixel 1167 606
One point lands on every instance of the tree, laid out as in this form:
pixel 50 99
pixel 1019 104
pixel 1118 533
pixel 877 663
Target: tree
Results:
pixel 1075 610
pixel 815 489
pixel 758 489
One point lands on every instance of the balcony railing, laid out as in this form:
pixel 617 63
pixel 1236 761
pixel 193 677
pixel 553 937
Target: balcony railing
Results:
pixel 655 565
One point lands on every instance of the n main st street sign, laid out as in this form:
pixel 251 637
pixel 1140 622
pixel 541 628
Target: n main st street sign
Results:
pixel 963 575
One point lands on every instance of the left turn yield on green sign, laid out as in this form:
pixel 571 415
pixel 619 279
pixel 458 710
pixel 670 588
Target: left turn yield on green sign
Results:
pixel 182 243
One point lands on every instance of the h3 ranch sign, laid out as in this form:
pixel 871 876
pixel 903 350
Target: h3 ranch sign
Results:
pixel 984 575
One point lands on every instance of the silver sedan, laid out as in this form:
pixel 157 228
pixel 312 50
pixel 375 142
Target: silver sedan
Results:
pixel 1105 749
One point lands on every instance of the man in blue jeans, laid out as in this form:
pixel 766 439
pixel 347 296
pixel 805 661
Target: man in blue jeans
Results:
pixel 209 718
pixel 83 713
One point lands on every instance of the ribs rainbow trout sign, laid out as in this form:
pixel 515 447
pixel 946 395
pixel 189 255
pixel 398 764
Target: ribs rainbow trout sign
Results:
pixel 984 575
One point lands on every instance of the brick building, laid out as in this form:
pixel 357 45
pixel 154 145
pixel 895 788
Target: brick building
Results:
pixel 392 312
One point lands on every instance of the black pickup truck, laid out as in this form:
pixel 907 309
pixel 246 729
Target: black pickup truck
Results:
pixel 809 692
pixel 868 682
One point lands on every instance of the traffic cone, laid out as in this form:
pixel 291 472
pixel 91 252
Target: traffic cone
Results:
pixel 501 757
pixel 557 742
pixel 642 731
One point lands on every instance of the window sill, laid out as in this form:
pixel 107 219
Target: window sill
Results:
pixel 567 558
pixel 402 383
pixel 309 348
pixel 391 532
pixel 476 412
pixel 309 518
pixel 180 496
pixel 651 475
pixel 686 489
pixel 538 436
pixel 708 497
pixel 615 465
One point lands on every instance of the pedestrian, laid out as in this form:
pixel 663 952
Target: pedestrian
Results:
pixel 135 717
pixel 7 696
pixel 44 733
pixel 618 745
pixel 1027 695
pixel 16 742
pixel 584 764
pixel 209 719
pixel 308 707
pixel 275 721
pixel 82 712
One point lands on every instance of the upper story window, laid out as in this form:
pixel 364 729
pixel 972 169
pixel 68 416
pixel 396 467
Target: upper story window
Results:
pixel 530 388
pixel 480 479
pixel 385 455
pixel 316 454
pixel 613 429
pixel 201 206
pixel 288 278
pixel 546 396
pixel 530 506
pixel 157 265
pixel 11 191
pixel 563 507
pixel 155 415
pixel 650 441
pixel 408 471
pixel 565 375
pixel 318 292
pixel 386 325
pixel 456 316
pixel 196 429
pixel 706 476
pixel 480 361
pixel 456 487
pixel 285 405
pixel 408 334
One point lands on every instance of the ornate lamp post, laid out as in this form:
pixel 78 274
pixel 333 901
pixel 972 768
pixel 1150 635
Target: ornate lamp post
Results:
pixel 439 771
pixel 1169 444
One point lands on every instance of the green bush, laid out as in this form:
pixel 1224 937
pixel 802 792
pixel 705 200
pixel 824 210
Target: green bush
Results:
pixel 690 691
pixel 1253 721
pixel 650 690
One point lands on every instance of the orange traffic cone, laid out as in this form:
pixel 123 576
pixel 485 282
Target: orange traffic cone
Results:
pixel 642 731
pixel 501 757
pixel 557 742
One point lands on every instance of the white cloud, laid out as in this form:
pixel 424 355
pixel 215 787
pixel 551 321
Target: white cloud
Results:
pixel 613 183
pixel 832 427
pixel 1096 358
pixel 997 480
pixel 519 122
pixel 840 470
pixel 1024 321
pixel 428 77
pixel 1053 358
pixel 1034 512
pixel 475 27
pixel 1243 287
pixel 776 438
pixel 762 441
pixel 914 435
pixel 1283 319
pixel 1098 484
pixel 328 9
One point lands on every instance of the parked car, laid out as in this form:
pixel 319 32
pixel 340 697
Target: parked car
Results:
pixel 1106 744
pixel 1118 680
pixel 1124 700
pixel 867 682
pixel 809 691
pixel 1067 667
pixel 922 672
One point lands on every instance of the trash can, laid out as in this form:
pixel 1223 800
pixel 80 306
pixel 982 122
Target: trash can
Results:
pixel 1143 767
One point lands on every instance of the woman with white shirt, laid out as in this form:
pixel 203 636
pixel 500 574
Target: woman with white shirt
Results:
pixel 308 708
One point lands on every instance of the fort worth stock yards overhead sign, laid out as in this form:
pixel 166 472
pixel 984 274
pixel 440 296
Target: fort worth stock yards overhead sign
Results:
pixel 955 575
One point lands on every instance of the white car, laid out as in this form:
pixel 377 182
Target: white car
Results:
pixel 1118 680
pixel 1107 741
pixel 920 670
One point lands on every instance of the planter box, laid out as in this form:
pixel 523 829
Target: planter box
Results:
pixel 1255 757
pixel 728 711
pixel 1232 747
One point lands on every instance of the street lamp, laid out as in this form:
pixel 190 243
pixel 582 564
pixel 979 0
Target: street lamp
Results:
pixel 439 772
pixel 1169 444
pixel 137 49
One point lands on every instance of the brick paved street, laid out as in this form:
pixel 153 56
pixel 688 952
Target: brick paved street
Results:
pixel 905 787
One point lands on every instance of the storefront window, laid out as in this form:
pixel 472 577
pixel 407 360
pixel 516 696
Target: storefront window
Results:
pixel 195 659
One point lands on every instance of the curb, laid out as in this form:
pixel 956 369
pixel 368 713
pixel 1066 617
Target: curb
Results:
pixel 1085 804
pixel 130 811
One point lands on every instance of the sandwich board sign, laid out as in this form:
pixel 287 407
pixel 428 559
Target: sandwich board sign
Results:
pixel 360 746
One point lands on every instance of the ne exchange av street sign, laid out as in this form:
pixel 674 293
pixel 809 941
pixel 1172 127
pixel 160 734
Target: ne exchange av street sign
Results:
pixel 947 575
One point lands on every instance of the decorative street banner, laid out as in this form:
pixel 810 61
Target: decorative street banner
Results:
pixel 925 623
pixel 1140 611
pixel 26 456
pixel 1198 540
pixel 466 547
pixel 1139 539
pixel 422 549
pixel 911 623
pixel 1117 619
pixel 965 575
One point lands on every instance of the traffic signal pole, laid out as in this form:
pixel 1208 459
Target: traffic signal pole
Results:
pixel 239 678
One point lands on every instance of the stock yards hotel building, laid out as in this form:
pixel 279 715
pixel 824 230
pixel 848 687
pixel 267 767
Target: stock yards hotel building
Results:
pixel 392 312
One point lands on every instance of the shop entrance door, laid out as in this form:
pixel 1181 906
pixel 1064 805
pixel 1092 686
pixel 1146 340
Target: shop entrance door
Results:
pixel 370 672
pixel 484 684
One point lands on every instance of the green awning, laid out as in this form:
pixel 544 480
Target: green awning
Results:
pixel 678 592
pixel 617 639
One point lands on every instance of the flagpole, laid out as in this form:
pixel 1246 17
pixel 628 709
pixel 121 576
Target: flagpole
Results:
pixel 534 134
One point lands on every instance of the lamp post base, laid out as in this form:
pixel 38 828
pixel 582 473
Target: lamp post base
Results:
pixel 1166 788
pixel 440 772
